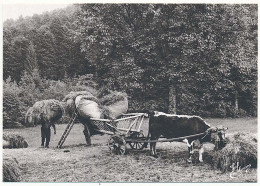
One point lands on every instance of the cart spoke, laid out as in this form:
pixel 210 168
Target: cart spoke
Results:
pixel 117 151
pixel 116 144
pixel 121 151
pixel 137 145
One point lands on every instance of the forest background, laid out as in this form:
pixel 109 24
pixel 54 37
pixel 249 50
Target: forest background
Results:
pixel 186 59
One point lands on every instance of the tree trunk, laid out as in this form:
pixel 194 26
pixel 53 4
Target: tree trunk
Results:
pixel 172 99
pixel 236 101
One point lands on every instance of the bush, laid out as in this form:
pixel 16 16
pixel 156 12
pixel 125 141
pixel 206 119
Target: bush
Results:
pixel 220 110
pixel 234 113
pixel 13 108
pixel 18 98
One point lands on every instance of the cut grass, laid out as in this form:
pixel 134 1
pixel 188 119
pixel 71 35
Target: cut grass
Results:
pixel 96 164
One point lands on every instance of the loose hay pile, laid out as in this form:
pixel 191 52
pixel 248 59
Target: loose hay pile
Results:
pixel 11 170
pixel 241 150
pixel 114 104
pixel 12 140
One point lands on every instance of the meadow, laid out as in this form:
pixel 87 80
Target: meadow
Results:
pixel 76 162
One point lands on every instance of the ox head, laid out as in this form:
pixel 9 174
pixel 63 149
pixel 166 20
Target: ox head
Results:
pixel 217 136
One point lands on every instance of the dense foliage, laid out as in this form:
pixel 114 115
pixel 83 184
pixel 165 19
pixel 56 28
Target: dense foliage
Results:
pixel 196 59
pixel 18 97
pixel 190 59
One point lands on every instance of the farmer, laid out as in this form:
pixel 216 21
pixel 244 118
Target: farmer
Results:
pixel 46 113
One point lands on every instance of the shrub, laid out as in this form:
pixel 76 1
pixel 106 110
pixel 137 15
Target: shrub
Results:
pixel 18 98
pixel 12 106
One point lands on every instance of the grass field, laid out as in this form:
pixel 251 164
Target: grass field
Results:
pixel 95 163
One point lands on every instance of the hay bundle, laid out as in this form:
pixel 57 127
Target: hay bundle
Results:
pixel 70 100
pixel 115 104
pixel 241 149
pixel 87 106
pixel 45 107
pixel 12 140
pixel 45 110
pixel 70 106
pixel 73 95
pixel 11 170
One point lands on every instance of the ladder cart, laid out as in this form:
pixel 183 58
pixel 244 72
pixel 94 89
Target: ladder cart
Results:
pixel 122 131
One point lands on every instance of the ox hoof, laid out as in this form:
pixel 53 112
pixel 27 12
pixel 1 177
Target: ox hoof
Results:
pixel 155 156
pixel 46 146
pixel 201 161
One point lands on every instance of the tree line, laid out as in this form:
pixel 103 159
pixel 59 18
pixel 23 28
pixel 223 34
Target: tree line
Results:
pixel 178 58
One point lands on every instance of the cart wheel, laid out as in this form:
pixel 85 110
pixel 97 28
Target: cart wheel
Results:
pixel 137 145
pixel 117 145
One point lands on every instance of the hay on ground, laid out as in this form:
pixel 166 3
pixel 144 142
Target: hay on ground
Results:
pixel 11 170
pixel 241 150
pixel 12 140
pixel 6 144
pixel 114 104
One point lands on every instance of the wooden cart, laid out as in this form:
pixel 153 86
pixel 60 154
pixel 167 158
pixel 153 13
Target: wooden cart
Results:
pixel 125 130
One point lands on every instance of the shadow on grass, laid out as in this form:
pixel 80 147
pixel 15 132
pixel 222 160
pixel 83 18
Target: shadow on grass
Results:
pixel 180 157
pixel 75 146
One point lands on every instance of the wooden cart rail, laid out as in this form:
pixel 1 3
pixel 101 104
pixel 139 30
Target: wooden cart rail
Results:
pixel 128 122
pixel 129 116
pixel 165 140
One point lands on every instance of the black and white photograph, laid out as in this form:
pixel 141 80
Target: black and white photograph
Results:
pixel 129 92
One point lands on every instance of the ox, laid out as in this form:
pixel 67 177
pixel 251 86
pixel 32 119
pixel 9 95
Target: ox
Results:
pixel 175 126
